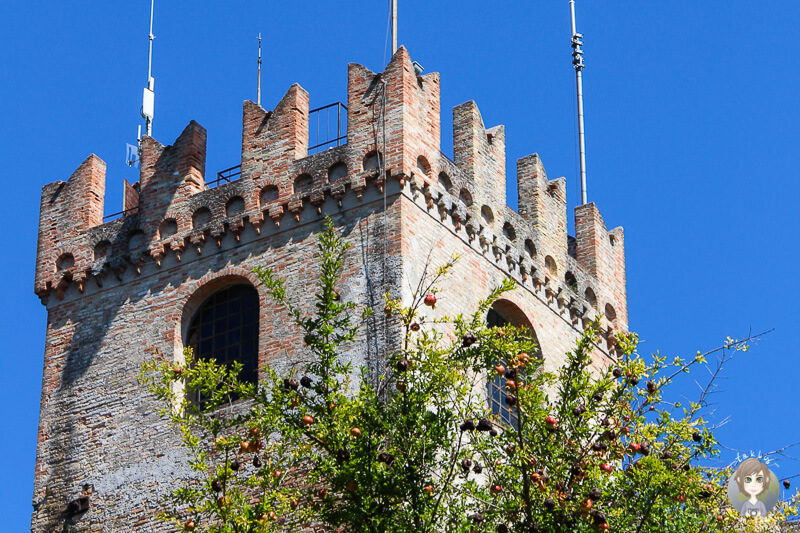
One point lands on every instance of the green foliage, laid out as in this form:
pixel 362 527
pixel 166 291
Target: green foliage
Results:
pixel 591 446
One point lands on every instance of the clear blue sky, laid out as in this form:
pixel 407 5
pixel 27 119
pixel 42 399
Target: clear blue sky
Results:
pixel 691 114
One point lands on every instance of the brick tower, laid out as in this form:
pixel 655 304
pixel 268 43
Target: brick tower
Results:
pixel 114 289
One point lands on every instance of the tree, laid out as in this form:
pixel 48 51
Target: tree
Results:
pixel 417 449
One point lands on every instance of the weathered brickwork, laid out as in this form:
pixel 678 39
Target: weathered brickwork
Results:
pixel 113 290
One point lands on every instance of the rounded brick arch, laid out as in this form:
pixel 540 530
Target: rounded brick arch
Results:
pixel 260 185
pixel 196 292
pixel 427 165
pixel 275 337
pixel 62 251
pixel 512 312
pixel 368 152
pixel 181 217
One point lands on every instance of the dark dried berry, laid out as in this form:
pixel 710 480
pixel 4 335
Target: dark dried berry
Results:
pixel 667 455
pixel 305 381
pixel 597 396
pixel 644 448
pixel 467 425
pixel 595 494
pixel 484 425
pixel 786 484
pixel 502 528
pixel 599 446
pixel 651 387
pixel 385 457
pixel 686 467
pixel 599 518
pixel 477 518
pixel 492 432
pixel 511 373
pixel 697 437
pixel 549 503
pixel 402 365
pixel 235 465
pixel 617 373
pixel 705 493
pixel 609 435
pixel 633 380
pixel 216 485
pixel 290 384
pixel 477 468
pixel 343 456
pixel 578 410
pixel 511 400
pixel 466 464
pixel 256 461
pixel 468 340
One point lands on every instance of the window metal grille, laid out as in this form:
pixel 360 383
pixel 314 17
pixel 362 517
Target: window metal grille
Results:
pixel 496 387
pixel 225 329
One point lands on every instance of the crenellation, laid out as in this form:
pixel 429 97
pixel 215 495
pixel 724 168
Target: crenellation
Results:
pixel 113 289
pixel 480 154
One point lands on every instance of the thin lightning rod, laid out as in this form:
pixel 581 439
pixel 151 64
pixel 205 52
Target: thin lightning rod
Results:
pixel 149 116
pixel 577 62
pixel 259 69
pixel 394 26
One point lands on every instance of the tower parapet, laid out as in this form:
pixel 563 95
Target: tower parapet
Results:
pixel 113 289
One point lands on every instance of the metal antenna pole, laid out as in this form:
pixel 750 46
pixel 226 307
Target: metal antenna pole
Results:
pixel 259 69
pixel 394 26
pixel 150 81
pixel 577 62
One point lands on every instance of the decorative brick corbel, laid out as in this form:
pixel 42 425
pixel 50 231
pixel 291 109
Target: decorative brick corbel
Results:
pixel 218 233
pixel 257 220
pixel 158 256
pixel 317 200
pixel 198 240
pixel 359 185
pixel 236 226
pixel 417 186
pixel 276 213
pixel 177 248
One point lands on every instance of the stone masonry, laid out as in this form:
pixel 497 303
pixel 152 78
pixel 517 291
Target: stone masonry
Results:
pixel 114 289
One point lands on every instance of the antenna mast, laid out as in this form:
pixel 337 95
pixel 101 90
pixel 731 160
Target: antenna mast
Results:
pixel 259 69
pixel 577 62
pixel 394 26
pixel 148 99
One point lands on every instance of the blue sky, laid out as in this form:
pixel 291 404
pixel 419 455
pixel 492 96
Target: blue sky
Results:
pixel 691 115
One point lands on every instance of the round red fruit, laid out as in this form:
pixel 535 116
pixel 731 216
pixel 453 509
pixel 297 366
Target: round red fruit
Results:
pixel 430 300
pixel 308 420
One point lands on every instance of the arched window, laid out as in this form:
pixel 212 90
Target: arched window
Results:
pixel 504 313
pixel 225 329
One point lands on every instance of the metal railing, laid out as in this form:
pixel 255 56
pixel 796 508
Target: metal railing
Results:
pixel 321 121
pixel 125 212
pixel 228 175
pixel 336 112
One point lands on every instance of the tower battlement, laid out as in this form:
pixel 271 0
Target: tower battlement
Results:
pixel 171 210
pixel 114 289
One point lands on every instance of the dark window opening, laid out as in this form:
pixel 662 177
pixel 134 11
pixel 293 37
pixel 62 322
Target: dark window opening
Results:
pixel 225 329
pixel 496 386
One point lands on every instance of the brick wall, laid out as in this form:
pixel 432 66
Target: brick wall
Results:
pixel 112 290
